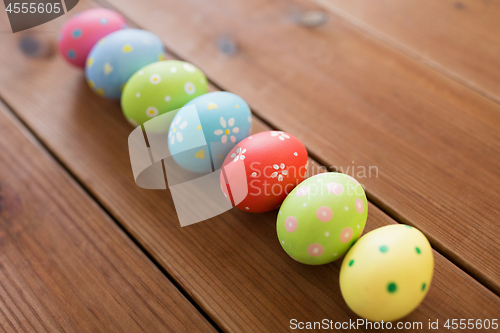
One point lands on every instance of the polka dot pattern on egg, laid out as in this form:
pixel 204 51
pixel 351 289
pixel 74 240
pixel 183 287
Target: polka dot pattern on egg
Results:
pixel 163 88
pixel 392 265
pixel 80 33
pixel 313 221
pixel 122 53
pixel 213 119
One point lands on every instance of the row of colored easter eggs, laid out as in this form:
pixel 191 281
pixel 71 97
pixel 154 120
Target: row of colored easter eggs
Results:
pixel 385 275
pixel 114 57
pixel 320 219
pixel 128 64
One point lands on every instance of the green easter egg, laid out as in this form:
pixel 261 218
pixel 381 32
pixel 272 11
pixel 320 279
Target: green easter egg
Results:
pixel 322 218
pixel 159 88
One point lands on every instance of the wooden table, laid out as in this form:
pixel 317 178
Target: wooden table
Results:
pixel 411 87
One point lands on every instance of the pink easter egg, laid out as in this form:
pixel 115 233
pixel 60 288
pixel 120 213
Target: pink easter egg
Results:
pixel 80 33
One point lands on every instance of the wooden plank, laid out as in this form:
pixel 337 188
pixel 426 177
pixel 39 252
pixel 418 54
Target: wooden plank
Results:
pixel 356 102
pixel 459 38
pixel 231 265
pixel 64 264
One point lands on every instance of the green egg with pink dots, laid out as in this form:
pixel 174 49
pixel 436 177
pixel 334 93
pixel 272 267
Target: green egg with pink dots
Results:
pixel 159 88
pixel 322 218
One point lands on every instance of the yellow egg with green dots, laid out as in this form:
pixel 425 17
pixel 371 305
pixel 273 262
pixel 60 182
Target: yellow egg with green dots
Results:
pixel 387 273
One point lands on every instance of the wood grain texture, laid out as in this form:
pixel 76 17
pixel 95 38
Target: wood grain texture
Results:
pixel 353 100
pixel 232 265
pixel 460 38
pixel 64 264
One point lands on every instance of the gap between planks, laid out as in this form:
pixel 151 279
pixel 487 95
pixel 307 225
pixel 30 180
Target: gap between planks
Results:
pixel 402 49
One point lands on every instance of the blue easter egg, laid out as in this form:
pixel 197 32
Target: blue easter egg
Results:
pixel 205 130
pixel 116 57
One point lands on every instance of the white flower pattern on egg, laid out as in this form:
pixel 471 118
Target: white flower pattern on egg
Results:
pixel 155 79
pixel 239 155
pixel 189 88
pixel 280 171
pixel 226 131
pixel 175 128
pixel 152 112
pixel 281 135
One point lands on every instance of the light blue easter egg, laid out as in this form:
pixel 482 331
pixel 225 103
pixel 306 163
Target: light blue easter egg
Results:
pixel 205 130
pixel 116 57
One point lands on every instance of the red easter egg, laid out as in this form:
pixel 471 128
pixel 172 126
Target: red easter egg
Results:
pixel 262 169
